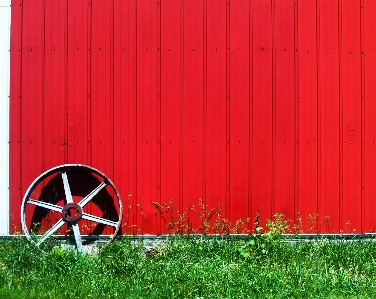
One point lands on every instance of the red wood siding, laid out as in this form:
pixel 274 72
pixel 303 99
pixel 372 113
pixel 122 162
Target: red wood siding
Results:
pixel 257 107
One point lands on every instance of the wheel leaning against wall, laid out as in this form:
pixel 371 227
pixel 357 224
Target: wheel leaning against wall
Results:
pixel 73 200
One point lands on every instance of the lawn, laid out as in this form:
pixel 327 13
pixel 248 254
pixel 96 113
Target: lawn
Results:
pixel 259 266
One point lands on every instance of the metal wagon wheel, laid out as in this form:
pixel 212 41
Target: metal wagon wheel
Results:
pixel 78 188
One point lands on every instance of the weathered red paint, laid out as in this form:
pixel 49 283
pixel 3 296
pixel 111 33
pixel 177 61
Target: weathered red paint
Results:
pixel 254 106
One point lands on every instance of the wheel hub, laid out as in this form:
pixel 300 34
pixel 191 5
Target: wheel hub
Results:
pixel 71 212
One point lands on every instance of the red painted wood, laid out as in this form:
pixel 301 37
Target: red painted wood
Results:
pixel 192 105
pixel 79 86
pixel 262 110
pixel 171 106
pixel 55 85
pixel 328 111
pixel 216 142
pixel 101 78
pixel 350 96
pixel 284 108
pixel 125 111
pixel 147 99
pixel 32 97
pixel 244 106
pixel 239 109
pixel 307 114
pixel 369 72
pixel 15 166
pixel 101 86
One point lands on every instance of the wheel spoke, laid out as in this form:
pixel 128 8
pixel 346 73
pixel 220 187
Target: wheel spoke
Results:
pixel 90 196
pixel 53 229
pixel 67 190
pixel 99 219
pixel 77 236
pixel 46 205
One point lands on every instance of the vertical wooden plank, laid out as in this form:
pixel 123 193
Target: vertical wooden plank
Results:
pixel 78 78
pixel 261 182
pixel 55 84
pixel 171 55
pixel 192 129
pixel 79 141
pixel 32 98
pixel 158 220
pixel 125 110
pixel 101 110
pixel 239 93
pixel 15 194
pixel 100 107
pixel 350 97
pixel 284 108
pixel 147 98
pixel 307 203
pixel 363 121
pixel 216 105
pixel 370 112
pixel 328 109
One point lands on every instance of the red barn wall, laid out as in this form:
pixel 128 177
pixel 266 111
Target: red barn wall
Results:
pixel 264 106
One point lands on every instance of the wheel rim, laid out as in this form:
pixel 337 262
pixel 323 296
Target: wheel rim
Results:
pixel 71 196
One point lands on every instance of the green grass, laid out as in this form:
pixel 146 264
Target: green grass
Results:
pixel 258 267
